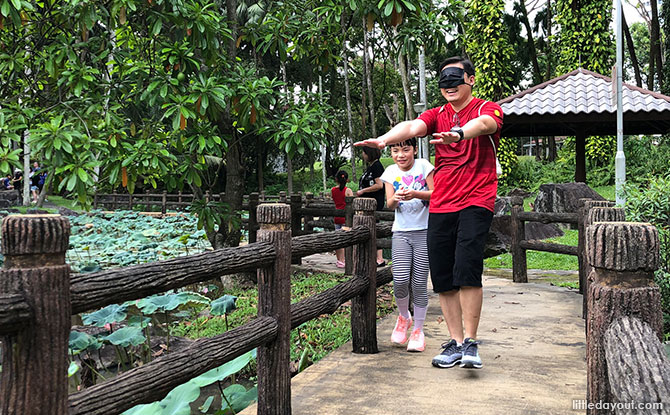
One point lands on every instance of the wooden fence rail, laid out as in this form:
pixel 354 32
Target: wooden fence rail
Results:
pixel 520 245
pixel 37 299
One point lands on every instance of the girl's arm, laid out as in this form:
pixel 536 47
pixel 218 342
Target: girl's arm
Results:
pixel 348 192
pixel 422 194
pixel 392 199
pixel 377 186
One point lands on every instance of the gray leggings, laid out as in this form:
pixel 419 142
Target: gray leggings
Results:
pixel 410 262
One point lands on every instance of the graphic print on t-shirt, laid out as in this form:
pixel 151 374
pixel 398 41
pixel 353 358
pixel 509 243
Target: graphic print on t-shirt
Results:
pixel 407 181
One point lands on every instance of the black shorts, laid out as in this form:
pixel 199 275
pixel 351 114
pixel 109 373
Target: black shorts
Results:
pixel 456 247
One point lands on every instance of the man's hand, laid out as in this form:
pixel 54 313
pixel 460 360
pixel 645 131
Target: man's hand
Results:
pixel 359 193
pixel 446 137
pixel 371 142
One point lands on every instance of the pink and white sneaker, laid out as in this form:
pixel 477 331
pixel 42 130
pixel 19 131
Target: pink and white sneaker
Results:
pixel 417 341
pixel 340 264
pixel 399 334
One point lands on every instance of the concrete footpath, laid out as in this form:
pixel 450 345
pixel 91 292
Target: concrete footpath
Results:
pixel 533 350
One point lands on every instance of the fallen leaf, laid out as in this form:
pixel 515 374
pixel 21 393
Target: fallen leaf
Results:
pixel 512 302
pixel 514 328
pixel 497 356
pixel 439 320
pixel 495 330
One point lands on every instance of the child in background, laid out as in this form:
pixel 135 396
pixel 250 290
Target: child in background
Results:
pixel 411 185
pixel 339 193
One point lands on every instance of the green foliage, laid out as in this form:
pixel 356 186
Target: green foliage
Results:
pixel 223 305
pixel 584 38
pixel 600 150
pixel 491 53
pixel 169 302
pixel 647 157
pixel 178 400
pixel 489 49
pixel 650 202
pixel 111 314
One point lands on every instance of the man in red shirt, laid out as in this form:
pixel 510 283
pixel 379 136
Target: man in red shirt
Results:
pixel 465 132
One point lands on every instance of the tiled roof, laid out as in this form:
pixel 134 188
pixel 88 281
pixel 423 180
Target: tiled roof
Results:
pixel 583 102
pixel 582 92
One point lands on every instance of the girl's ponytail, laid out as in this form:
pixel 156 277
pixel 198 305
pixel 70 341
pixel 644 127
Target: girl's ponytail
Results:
pixel 342 177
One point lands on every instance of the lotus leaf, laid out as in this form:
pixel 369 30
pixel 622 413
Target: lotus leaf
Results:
pixel 81 341
pixel 223 305
pixel 126 336
pixel 113 313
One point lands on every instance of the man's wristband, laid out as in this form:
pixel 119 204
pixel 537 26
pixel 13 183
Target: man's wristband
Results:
pixel 458 130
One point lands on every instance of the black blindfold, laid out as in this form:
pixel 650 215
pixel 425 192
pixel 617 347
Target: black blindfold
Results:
pixel 451 77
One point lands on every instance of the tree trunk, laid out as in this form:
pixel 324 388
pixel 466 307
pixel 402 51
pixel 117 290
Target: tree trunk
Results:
pixel 531 42
pixel 289 173
pixel 368 78
pixel 234 168
pixel 552 148
pixel 409 114
pixel 549 54
pixel 631 51
pixel 347 95
pixel 45 190
pixel 656 43
pixel 260 162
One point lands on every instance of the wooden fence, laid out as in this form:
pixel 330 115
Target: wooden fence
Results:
pixel 38 297
pixel 626 361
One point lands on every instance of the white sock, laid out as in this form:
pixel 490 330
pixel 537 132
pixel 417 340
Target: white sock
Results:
pixel 419 317
pixel 403 306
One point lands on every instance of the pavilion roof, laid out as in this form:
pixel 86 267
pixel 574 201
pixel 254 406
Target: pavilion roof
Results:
pixel 583 101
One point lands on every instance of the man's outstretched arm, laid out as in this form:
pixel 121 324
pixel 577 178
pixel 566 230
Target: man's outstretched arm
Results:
pixel 401 132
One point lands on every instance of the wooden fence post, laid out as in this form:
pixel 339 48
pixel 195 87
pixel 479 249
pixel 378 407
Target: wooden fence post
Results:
pixel 282 197
pixel 364 306
pixel 35 360
pixel 519 264
pixel 164 203
pixel 623 256
pixel 595 213
pixel 130 201
pixel 309 228
pixel 253 222
pixel 349 222
pixel 95 201
pixel 584 205
pixel 296 220
pixel 274 300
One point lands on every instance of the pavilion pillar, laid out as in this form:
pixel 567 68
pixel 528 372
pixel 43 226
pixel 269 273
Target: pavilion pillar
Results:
pixel 580 157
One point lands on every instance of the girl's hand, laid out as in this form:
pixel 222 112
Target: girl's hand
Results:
pixel 402 195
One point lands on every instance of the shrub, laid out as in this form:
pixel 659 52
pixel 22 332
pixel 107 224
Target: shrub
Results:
pixel 650 202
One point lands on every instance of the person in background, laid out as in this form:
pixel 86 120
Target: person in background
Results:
pixel 34 181
pixel 410 185
pixel 7 182
pixel 339 194
pixel 371 185
pixel 17 182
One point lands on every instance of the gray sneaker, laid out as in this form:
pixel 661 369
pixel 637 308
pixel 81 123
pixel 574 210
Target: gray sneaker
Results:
pixel 471 359
pixel 450 356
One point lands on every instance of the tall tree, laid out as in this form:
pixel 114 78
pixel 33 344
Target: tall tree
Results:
pixel 491 54
pixel 584 38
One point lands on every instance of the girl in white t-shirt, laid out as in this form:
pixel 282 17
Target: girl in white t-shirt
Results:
pixel 411 184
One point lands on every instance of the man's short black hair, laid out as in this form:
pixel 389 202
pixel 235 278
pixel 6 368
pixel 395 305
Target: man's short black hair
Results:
pixel 467 65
